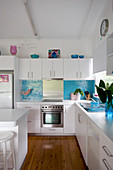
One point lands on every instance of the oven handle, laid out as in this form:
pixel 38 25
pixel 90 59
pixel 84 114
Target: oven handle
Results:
pixel 51 111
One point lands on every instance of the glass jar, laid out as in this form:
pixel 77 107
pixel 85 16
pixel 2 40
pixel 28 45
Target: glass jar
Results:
pixel 13 49
pixel 108 110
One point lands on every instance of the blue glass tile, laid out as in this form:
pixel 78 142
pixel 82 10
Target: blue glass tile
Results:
pixel 71 85
pixel 37 90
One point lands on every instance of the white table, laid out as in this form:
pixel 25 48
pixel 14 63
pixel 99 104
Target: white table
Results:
pixel 16 120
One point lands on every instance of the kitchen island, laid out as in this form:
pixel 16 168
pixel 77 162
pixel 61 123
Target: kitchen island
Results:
pixel 16 120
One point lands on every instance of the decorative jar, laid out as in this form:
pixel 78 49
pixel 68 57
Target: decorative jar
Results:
pixel 13 49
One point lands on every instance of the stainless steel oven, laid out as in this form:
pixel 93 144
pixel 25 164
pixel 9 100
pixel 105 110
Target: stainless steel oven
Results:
pixel 51 115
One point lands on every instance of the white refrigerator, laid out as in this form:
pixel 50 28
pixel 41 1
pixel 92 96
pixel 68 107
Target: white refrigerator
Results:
pixel 6 89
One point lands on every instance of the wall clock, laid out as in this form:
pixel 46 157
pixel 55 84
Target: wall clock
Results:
pixel 104 27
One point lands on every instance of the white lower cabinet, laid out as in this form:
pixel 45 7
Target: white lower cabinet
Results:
pixel 33 117
pixel 81 132
pixel 93 147
pixel 34 120
pixel 106 153
pixel 69 119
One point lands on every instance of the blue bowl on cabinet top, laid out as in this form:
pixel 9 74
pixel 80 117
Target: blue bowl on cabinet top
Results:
pixel 81 56
pixel 34 56
pixel 74 56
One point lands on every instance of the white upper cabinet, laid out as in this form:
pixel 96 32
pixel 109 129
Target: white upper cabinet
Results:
pixel 70 69
pixel 77 68
pixel 85 68
pixel 58 68
pixel 7 62
pixel 30 69
pixel 36 72
pixel 46 68
pixel 99 58
pixel 109 63
pixel 52 68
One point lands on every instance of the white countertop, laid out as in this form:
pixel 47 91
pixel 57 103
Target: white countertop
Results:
pixel 12 117
pixel 101 121
pixel 56 103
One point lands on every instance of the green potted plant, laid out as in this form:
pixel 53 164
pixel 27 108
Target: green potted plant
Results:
pixel 105 93
pixel 76 94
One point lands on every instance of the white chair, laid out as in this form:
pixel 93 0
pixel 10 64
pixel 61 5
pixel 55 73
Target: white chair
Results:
pixel 7 149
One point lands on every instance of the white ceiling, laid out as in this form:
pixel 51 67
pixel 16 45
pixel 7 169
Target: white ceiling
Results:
pixel 52 18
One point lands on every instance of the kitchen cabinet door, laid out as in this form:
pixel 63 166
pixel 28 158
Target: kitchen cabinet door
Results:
pixel 36 69
pixel 85 68
pixel 69 119
pixel 106 153
pixel 81 132
pixel 24 69
pixel 57 68
pixel 93 147
pixel 7 62
pixel 47 68
pixel 70 69
pixel 34 121
pixel 99 58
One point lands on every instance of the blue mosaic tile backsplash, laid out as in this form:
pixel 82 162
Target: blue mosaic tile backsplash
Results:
pixel 69 87
pixel 37 90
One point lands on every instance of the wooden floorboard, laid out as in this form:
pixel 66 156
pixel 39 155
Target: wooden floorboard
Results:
pixel 53 153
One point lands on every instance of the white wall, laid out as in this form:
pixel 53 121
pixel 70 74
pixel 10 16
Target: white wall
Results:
pixel 108 14
pixel 41 46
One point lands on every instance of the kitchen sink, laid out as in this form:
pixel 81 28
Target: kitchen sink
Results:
pixel 89 108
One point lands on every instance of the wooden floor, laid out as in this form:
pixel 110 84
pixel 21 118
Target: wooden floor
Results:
pixel 53 153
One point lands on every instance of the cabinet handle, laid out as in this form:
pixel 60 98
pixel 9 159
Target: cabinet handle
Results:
pixel 50 73
pixel 107 151
pixel 80 74
pixel 65 110
pixel 28 107
pixel 79 118
pixel 76 74
pixel 32 74
pixel 106 164
pixel 52 129
pixel 54 73
pixel 29 121
pixel 28 74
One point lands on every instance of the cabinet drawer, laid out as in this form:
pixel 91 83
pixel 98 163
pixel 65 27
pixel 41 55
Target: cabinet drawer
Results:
pixel 33 126
pixel 105 164
pixel 34 115
pixel 106 153
pixel 34 110
pixel 52 130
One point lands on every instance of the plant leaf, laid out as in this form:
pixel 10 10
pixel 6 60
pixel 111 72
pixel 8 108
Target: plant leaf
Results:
pixel 111 88
pixel 101 94
pixel 102 84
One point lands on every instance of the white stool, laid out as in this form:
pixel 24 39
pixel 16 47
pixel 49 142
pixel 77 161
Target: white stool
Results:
pixel 5 138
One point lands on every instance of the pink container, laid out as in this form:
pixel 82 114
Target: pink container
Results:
pixel 13 49
pixel 75 97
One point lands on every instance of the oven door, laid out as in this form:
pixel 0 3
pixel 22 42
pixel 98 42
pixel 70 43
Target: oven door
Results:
pixel 52 118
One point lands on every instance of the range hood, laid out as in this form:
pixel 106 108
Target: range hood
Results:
pixel 53 90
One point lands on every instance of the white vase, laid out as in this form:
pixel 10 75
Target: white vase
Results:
pixel 75 97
